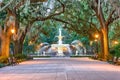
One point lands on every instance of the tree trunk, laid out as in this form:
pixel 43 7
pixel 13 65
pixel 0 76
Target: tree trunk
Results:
pixel 18 44
pixel 117 59
pixel 101 44
pixel 18 47
pixel 105 42
pixel 5 42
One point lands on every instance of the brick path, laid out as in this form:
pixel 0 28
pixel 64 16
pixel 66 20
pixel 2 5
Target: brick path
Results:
pixel 61 69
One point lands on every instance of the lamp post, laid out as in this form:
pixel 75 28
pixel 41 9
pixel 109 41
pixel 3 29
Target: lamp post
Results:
pixel 96 36
pixel 12 31
pixel 11 23
pixel 116 42
pixel 96 40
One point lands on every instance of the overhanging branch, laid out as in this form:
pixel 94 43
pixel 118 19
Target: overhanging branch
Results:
pixel 111 20
pixel 60 20
pixel 6 5
pixel 52 15
pixel 110 16
pixel 19 4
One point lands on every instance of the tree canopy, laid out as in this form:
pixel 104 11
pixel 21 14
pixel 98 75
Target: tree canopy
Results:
pixel 37 21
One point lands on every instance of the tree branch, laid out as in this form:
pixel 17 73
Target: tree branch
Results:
pixel 26 30
pixel 34 1
pixel 40 19
pixel 50 16
pixel 111 20
pixel 73 27
pixel 19 4
pixel 6 5
pixel 110 16
pixel 60 20
pixel 100 14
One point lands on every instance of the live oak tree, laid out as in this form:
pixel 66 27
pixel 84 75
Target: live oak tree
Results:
pixel 90 17
pixel 105 21
pixel 85 17
pixel 27 19
pixel 6 34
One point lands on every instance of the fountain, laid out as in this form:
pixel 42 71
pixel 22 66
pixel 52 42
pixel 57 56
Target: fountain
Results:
pixel 60 49
pixel 60 46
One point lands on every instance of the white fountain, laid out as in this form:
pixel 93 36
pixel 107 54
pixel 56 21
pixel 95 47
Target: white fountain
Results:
pixel 61 49
pixel 60 46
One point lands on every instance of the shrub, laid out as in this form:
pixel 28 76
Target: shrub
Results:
pixel 110 57
pixel 115 52
pixel 112 52
pixel 1 65
pixel 20 56
pixel 3 59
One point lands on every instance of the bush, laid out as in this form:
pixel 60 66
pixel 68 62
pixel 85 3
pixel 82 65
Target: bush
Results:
pixel 110 57
pixel 1 65
pixel 112 52
pixel 3 59
pixel 115 52
pixel 20 56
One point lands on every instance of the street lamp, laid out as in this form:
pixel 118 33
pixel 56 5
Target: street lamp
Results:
pixel 12 31
pixel 96 36
pixel 96 40
pixel 116 42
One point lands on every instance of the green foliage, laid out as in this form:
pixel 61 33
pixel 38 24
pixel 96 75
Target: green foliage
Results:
pixel 115 53
pixel 80 15
pixel 77 12
pixel 20 56
pixel 117 50
pixel 112 52
pixel 27 47
pixel 2 18
pixel 114 31
pixel 110 57
pixel 85 41
pixel 1 65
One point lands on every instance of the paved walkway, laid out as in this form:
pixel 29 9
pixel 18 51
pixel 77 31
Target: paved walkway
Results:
pixel 61 69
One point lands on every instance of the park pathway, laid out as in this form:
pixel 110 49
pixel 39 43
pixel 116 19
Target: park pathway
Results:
pixel 61 69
